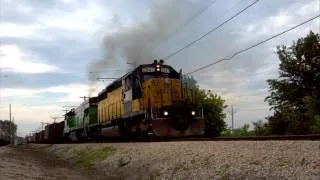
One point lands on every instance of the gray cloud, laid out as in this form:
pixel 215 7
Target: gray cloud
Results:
pixel 139 27
pixel 228 77
pixel 27 12
pixel 19 80
pixel 230 38
pixel 135 43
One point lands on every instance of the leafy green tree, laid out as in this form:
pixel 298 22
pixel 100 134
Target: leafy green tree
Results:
pixel 238 132
pixel 313 107
pixel 260 128
pixel 294 96
pixel 211 103
pixel 213 106
pixel 243 131
pixel 227 132
pixel 7 127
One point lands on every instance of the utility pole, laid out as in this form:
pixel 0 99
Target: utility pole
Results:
pixel 84 97
pixel 54 119
pixel 132 64
pixel 10 126
pixel 13 133
pixel 42 125
pixel 232 119
pixel 66 110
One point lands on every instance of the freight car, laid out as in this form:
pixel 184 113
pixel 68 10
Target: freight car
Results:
pixel 54 133
pixel 150 100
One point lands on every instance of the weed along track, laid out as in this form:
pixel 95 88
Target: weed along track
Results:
pixel 31 163
pixel 87 157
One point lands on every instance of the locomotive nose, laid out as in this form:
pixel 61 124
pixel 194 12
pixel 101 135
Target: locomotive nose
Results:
pixel 180 122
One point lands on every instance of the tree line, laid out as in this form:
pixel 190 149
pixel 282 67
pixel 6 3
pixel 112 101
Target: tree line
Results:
pixel 7 127
pixel 294 96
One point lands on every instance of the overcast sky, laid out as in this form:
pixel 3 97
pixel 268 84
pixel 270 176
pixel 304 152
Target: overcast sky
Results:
pixel 48 46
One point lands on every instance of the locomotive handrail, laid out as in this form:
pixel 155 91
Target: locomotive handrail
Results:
pixel 141 93
pixel 116 114
pixel 108 117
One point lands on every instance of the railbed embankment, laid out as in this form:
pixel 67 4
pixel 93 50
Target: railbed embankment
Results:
pixel 196 159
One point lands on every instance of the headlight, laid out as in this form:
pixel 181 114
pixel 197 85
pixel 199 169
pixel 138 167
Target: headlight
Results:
pixel 158 66
pixel 193 113
pixel 165 113
pixel 158 69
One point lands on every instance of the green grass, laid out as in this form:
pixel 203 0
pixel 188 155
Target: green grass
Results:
pixel 86 157
pixel 225 177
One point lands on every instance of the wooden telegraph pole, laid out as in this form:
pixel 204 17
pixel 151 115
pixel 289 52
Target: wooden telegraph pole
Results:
pixel 84 97
pixel 232 119
pixel 10 126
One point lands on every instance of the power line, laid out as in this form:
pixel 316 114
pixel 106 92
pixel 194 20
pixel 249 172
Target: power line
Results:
pixel 319 12
pixel 212 30
pixel 243 82
pixel 254 109
pixel 66 106
pixel 54 118
pixel 267 72
pixel 188 21
pixel 253 46
pixel 106 78
pixel 246 95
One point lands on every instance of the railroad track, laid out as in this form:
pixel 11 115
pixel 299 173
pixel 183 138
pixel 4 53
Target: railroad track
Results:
pixel 3 142
pixel 313 137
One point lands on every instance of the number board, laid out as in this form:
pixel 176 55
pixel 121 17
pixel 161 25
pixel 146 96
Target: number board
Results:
pixel 165 70
pixel 153 69
pixel 148 69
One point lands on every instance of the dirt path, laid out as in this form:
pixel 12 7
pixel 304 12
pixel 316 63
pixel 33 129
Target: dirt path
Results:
pixel 26 163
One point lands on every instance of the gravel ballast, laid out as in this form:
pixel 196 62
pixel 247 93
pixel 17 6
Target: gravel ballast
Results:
pixel 204 159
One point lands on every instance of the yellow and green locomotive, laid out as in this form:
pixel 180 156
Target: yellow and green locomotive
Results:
pixel 148 100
